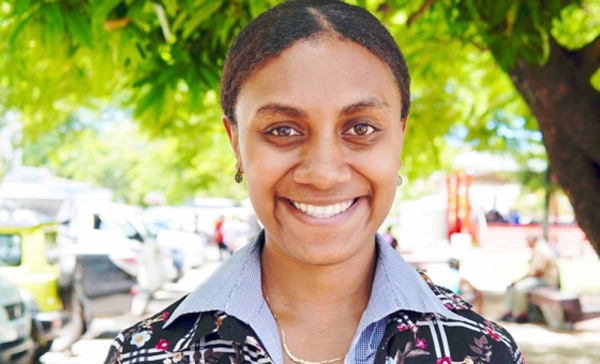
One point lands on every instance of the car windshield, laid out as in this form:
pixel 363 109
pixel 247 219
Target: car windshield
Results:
pixel 10 250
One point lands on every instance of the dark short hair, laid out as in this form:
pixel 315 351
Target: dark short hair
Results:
pixel 278 28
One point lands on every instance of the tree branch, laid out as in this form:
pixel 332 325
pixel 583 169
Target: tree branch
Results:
pixel 415 16
pixel 588 58
pixel 116 24
pixel 163 21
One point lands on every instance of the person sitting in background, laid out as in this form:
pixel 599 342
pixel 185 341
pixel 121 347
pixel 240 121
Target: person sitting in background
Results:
pixel 543 272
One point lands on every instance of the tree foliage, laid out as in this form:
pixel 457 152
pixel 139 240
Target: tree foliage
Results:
pixel 474 64
pixel 160 58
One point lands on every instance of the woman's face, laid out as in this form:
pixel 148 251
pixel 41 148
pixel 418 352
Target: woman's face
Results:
pixel 319 139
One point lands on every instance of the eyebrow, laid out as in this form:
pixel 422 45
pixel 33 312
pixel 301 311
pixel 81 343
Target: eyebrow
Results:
pixel 281 109
pixel 370 103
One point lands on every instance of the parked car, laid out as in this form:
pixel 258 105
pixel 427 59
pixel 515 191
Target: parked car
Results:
pixel 135 250
pixel 60 278
pixel 191 246
pixel 16 345
pixel 104 280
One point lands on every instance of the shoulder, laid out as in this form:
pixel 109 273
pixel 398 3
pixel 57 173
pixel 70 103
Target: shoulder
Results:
pixel 432 336
pixel 142 336
pixel 446 341
pixel 209 337
pixel 451 300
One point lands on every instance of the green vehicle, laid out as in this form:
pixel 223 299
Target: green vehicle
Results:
pixel 30 258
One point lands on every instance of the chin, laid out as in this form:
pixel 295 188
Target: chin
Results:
pixel 332 254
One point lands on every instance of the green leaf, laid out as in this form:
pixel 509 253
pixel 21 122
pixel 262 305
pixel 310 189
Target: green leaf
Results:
pixel 200 15
pixel 188 5
pixel 511 16
pixel 79 28
pixel 14 37
pixel 99 10
pixel 532 48
pixel 21 6
pixel 211 80
pixel 179 21
pixel 53 15
pixel 170 7
pixel 192 80
pixel 501 8
pixel 152 100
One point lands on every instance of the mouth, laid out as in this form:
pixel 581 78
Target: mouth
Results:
pixel 323 212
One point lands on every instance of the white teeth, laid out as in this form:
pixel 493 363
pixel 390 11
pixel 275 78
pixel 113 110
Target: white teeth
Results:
pixel 323 211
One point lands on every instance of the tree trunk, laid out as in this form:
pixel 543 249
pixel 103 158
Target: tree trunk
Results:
pixel 567 108
pixel 547 198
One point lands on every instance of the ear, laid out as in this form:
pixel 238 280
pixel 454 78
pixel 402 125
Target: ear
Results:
pixel 404 122
pixel 232 133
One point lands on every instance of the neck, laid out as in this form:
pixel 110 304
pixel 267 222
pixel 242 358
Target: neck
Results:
pixel 298 286
pixel 317 307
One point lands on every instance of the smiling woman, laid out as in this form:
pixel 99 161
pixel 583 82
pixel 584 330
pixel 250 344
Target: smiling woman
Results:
pixel 320 127
pixel 315 96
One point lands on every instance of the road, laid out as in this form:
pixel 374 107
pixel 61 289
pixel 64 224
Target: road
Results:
pixel 93 347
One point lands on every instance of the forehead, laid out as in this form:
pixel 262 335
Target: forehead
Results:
pixel 326 67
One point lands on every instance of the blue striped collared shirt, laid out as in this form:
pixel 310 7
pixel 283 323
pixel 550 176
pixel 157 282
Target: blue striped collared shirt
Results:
pixel 235 288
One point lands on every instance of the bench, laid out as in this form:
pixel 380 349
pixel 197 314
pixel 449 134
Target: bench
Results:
pixel 561 310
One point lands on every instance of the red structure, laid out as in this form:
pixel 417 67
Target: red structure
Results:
pixel 569 240
pixel 459 206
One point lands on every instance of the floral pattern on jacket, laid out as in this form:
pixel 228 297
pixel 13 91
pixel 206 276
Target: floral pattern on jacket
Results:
pixel 410 338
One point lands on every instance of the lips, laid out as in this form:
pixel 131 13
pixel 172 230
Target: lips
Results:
pixel 323 211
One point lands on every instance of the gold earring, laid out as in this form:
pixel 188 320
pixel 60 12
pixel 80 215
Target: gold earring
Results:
pixel 399 181
pixel 239 177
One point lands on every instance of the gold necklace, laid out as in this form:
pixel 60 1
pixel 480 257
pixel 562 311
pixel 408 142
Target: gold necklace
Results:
pixel 292 357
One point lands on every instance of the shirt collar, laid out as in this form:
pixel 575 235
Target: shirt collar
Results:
pixel 235 288
pixel 398 286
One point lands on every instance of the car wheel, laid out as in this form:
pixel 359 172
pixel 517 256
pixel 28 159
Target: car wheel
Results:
pixel 41 346
pixel 76 305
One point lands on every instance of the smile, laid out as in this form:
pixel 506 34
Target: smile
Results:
pixel 323 211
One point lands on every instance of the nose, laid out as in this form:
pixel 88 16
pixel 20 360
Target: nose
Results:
pixel 323 164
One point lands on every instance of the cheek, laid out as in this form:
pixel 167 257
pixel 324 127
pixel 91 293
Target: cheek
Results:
pixel 382 170
pixel 383 160
pixel 264 168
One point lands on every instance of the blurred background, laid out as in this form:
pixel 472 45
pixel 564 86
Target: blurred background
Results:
pixel 116 172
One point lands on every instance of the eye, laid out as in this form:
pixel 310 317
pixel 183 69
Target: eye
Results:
pixel 361 130
pixel 283 131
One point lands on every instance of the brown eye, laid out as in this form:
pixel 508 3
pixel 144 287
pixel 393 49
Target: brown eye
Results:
pixel 284 131
pixel 361 130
